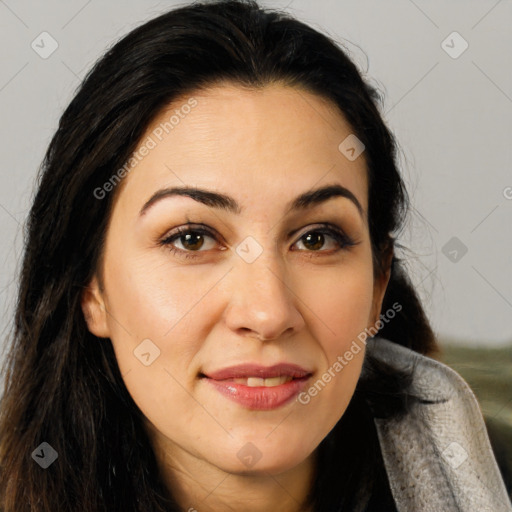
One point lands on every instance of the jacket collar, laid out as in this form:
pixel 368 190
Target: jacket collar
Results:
pixel 438 456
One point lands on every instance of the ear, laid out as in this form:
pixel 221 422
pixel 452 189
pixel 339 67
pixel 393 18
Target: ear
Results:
pixel 94 310
pixel 380 287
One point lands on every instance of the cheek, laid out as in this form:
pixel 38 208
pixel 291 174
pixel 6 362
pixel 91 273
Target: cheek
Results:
pixel 342 301
pixel 342 307
pixel 154 311
pixel 158 324
pixel 153 296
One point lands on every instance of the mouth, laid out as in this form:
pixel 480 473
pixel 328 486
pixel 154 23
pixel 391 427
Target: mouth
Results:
pixel 254 370
pixel 254 382
pixel 259 388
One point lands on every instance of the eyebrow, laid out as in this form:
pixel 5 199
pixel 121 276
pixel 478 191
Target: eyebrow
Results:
pixel 225 202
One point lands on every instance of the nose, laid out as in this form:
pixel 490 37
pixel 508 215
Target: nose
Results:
pixel 262 300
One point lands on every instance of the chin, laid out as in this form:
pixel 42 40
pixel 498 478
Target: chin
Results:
pixel 262 456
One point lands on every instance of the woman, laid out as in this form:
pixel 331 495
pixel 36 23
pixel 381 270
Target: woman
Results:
pixel 184 340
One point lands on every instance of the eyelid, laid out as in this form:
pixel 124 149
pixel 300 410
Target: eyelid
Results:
pixel 317 227
pixel 332 230
pixel 185 229
pixel 339 235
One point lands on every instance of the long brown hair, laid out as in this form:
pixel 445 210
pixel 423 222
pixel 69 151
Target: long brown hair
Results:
pixel 62 384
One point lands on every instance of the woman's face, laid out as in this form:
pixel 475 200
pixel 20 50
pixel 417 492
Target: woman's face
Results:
pixel 254 282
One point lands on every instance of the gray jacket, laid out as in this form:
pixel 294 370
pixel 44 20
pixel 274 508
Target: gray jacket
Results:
pixel 438 457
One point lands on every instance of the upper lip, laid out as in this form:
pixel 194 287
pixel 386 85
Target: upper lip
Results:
pixel 243 371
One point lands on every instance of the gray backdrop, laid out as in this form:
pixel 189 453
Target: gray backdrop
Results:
pixel 445 69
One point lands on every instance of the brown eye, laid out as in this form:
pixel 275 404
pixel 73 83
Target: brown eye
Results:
pixel 315 240
pixel 192 241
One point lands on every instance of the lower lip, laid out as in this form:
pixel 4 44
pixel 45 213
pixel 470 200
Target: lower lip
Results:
pixel 259 398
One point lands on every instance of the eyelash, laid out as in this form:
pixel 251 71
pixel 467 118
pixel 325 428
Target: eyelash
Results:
pixel 343 241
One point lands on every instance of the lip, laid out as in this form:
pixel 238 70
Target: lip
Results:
pixel 259 397
pixel 243 371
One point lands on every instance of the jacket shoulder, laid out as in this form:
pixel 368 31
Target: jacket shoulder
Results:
pixel 438 456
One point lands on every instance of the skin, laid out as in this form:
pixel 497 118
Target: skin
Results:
pixel 298 302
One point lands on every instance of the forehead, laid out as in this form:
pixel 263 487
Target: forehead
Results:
pixel 272 142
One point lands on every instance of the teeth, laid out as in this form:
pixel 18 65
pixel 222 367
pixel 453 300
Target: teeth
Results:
pixel 253 382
